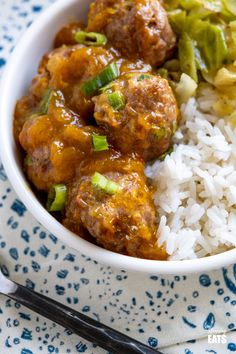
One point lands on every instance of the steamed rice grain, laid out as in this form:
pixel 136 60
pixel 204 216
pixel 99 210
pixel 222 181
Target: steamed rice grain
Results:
pixel 196 185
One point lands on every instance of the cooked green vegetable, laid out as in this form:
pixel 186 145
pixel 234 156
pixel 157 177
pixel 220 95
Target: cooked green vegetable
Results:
pixel 168 152
pixel 57 197
pixel 144 77
pixel 106 185
pixel 187 59
pixel 202 27
pixel 28 161
pixel 211 43
pixel 90 38
pixel 225 77
pixel 100 143
pixel 231 6
pixel 189 4
pixel 232 26
pixel 163 73
pixel 160 132
pixel 43 109
pixel 177 20
pixel 116 100
pixel 185 89
pixel 110 73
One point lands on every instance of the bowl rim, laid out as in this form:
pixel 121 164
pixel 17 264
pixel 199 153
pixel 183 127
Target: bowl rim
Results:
pixel 7 150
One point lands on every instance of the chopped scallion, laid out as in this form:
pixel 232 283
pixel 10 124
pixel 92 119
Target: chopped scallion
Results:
pixel 106 185
pixel 168 152
pixel 90 38
pixel 45 102
pixel 116 100
pixel 28 161
pixel 144 77
pixel 110 73
pixel 57 197
pixel 99 181
pixel 100 143
pixel 112 187
pixel 160 132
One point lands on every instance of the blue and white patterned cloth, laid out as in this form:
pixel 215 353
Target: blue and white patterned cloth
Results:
pixel 177 314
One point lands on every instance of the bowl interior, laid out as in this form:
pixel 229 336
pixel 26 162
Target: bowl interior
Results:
pixel 16 80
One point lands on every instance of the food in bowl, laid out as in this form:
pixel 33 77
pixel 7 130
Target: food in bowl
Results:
pixel 105 107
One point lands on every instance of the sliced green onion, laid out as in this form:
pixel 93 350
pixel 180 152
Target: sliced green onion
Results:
pixel 99 181
pixel 57 197
pixel 160 132
pixel 187 59
pixel 28 161
pixel 90 38
pixel 45 102
pixel 107 87
pixel 110 73
pixel 116 100
pixel 144 77
pixel 168 152
pixel 112 187
pixel 100 143
pixel 106 185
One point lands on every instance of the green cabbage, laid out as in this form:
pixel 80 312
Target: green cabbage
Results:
pixel 187 59
pixel 202 35
pixel 185 89
pixel 230 6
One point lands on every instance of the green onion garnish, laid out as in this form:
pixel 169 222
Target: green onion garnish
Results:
pixel 168 152
pixel 28 161
pixel 90 38
pixel 100 143
pixel 106 185
pixel 57 197
pixel 143 77
pixel 116 100
pixel 43 109
pixel 110 73
pixel 160 132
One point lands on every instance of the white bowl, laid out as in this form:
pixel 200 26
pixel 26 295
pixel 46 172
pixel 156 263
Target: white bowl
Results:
pixel 17 77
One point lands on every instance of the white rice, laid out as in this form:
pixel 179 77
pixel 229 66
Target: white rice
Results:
pixel 196 185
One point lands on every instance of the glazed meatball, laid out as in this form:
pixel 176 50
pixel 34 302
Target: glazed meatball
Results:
pixel 135 28
pixel 55 144
pixel 146 118
pixel 124 222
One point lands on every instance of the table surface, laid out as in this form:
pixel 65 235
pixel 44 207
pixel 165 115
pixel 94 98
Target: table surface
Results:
pixel 159 311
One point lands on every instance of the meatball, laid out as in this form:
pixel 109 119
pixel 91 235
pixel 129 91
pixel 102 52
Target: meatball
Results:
pixel 55 143
pixel 146 119
pixel 124 222
pixel 135 28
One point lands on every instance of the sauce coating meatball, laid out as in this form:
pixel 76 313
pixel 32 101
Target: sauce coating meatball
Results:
pixel 124 222
pixel 55 144
pixel 135 28
pixel 148 118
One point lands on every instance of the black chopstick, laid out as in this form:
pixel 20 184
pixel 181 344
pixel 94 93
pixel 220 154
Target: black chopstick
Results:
pixel 78 323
